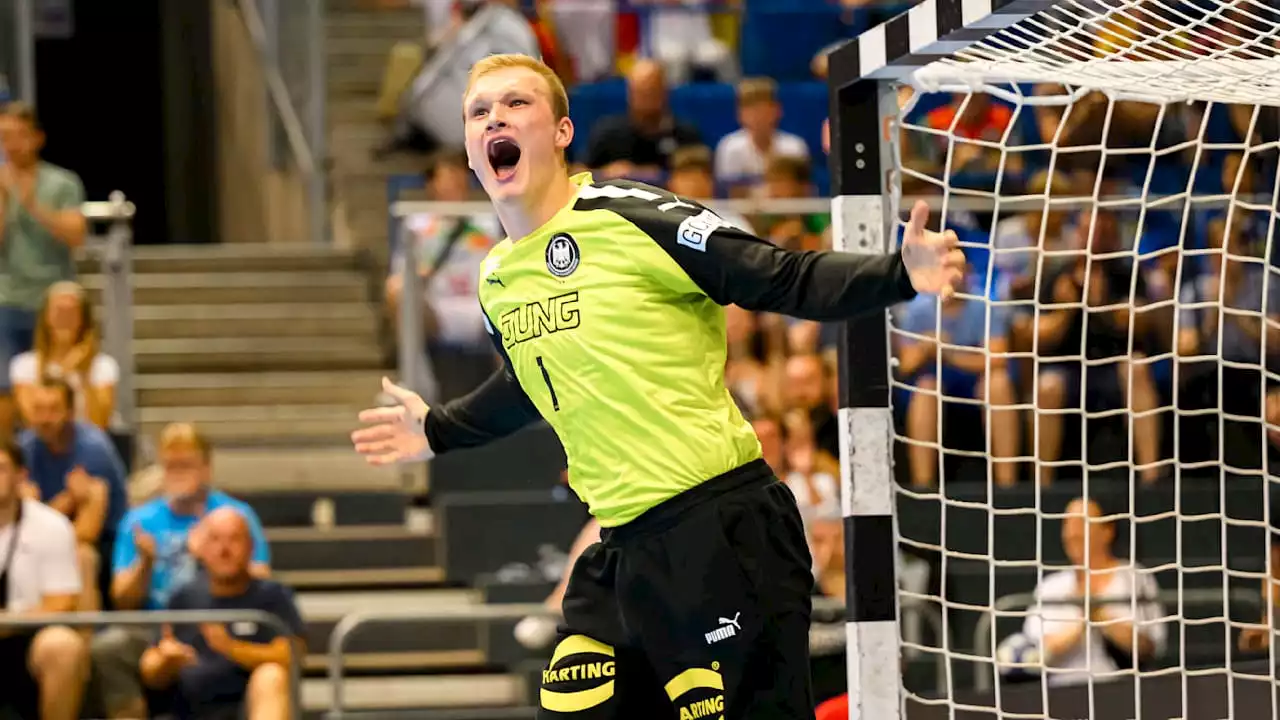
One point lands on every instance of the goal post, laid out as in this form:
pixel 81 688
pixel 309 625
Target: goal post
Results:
pixel 1193 67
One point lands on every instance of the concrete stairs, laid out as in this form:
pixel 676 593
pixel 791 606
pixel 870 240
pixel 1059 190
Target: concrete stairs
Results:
pixel 257 344
pixel 360 37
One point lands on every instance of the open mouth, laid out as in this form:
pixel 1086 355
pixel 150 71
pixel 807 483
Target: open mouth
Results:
pixel 504 155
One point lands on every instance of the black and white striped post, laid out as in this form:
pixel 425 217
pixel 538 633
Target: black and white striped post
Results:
pixel 863 104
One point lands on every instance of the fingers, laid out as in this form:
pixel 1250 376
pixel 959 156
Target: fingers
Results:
pixel 919 216
pixel 397 392
pixel 383 415
pixel 379 447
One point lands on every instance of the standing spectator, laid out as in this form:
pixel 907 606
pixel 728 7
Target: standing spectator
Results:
pixel 157 550
pixel 691 177
pixel 586 31
pixel 447 252
pixel 639 144
pixel 227 671
pixel 66 347
pixel 40 224
pixel 1075 646
pixel 946 356
pixel 431 108
pixel 79 473
pixel 42 672
pixel 741 155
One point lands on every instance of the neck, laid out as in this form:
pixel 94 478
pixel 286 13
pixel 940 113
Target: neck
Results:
pixel 62 439
pixel 60 347
pixel 523 215
pixel 1105 562
pixel 229 586
pixel 189 505
pixel 24 166
pixel 648 122
pixel 763 140
pixel 9 510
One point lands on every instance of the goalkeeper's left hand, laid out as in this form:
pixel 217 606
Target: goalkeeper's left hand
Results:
pixel 934 261
pixel 394 434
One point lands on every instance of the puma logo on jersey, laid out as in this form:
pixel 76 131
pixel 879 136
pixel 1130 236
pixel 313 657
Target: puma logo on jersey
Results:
pixel 543 317
pixel 677 203
pixel 494 280
pixel 728 628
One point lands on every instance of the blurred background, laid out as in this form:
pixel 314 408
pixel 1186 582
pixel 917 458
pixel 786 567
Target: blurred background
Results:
pixel 279 214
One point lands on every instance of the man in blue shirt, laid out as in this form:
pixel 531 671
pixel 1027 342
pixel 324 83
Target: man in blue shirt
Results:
pixel 159 549
pixel 220 671
pixel 75 469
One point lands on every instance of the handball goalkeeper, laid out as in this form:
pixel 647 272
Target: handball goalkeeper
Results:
pixel 605 303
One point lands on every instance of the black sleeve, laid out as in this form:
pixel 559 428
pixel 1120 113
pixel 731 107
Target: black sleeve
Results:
pixel 494 410
pixel 286 608
pixel 735 267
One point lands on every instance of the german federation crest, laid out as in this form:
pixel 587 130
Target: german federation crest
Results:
pixel 562 255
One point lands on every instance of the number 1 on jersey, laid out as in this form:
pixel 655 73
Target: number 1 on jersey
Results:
pixel 546 377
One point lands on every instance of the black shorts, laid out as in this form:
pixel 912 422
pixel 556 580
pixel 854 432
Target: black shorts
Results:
pixel 699 608
pixel 19 694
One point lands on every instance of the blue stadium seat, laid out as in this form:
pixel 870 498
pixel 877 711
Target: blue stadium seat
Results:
pixel 780 42
pixel 588 103
pixel 804 107
pixel 713 107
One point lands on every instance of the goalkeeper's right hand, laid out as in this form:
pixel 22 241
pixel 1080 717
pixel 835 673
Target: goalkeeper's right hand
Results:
pixel 394 434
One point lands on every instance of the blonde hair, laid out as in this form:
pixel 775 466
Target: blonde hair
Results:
pixel 43 340
pixel 185 436
pixel 555 88
pixel 757 90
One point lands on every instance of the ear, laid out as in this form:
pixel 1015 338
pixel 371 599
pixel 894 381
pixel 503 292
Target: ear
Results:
pixel 564 134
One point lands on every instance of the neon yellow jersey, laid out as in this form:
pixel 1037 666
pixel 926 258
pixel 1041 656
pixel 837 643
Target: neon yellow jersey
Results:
pixel 610 321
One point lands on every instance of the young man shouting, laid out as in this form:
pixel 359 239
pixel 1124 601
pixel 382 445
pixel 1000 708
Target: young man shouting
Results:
pixel 606 304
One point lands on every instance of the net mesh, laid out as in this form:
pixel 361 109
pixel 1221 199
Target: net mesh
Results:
pixel 1084 436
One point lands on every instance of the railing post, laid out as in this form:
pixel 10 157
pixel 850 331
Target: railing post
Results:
pixel 25 32
pixel 317 119
pixel 116 262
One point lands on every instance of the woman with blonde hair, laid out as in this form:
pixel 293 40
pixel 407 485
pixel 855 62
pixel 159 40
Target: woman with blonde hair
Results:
pixel 67 347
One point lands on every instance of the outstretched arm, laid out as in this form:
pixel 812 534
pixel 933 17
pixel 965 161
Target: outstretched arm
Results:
pixel 732 266
pixel 414 431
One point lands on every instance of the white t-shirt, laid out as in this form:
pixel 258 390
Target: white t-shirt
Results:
pixel 104 371
pixel 44 563
pixel 738 159
pixel 1051 615
pixel 454 290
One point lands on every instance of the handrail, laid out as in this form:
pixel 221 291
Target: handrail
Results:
pixel 982 632
pixel 308 148
pixel 277 89
pixel 25 30
pixel 958 201
pixel 513 611
pixel 153 618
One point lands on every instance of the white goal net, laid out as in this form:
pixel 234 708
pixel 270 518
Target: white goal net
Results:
pixel 1085 437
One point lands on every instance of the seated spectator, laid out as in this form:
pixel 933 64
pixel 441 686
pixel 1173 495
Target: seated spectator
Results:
pixel 691 177
pixel 639 144
pixel 741 155
pixel 76 469
pixel 44 671
pixel 808 388
pixel 755 360
pixel 1120 594
pixel 682 40
pixel 67 348
pixel 447 252
pixel 157 550
pixel 786 177
pixel 970 366
pixel 1257 638
pixel 1115 293
pixel 220 671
